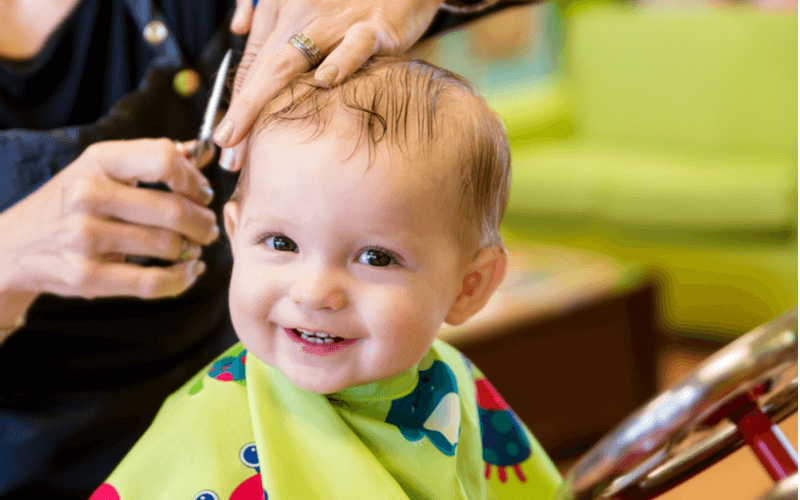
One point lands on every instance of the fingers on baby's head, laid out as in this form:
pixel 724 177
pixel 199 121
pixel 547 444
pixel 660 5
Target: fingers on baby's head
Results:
pixel 405 102
pixel 420 110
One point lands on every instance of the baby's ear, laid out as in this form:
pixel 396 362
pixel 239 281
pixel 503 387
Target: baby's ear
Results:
pixel 230 217
pixel 478 283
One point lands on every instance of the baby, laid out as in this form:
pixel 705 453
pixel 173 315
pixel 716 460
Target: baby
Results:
pixel 366 215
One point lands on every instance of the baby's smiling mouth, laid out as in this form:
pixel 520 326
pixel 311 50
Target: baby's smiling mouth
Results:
pixel 316 337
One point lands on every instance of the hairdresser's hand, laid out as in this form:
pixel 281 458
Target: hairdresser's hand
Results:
pixel 70 237
pixel 348 32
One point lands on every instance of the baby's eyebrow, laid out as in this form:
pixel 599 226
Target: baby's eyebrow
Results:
pixel 255 218
pixel 250 218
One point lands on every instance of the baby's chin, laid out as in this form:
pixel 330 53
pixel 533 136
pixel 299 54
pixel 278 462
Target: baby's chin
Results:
pixel 328 384
pixel 318 384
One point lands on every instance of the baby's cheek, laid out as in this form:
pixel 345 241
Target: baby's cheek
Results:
pixel 252 300
pixel 410 322
pixel 250 293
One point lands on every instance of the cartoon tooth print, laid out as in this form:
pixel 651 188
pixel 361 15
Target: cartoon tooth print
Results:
pixel 432 409
pixel 105 492
pixel 227 369
pixel 251 488
pixel 504 440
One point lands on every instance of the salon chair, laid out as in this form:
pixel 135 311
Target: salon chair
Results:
pixel 735 397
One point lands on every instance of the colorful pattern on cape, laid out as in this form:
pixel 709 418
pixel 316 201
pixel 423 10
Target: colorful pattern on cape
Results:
pixel 430 410
pixel 433 432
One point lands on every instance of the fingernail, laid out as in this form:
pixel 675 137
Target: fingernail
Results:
pixel 214 232
pixel 209 191
pixel 227 160
pixel 327 75
pixel 223 132
pixel 255 2
pixel 238 17
pixel 196 268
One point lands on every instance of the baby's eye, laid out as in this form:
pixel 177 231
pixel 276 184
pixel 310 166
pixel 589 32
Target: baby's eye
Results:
pixel 377 258
pixel 280 243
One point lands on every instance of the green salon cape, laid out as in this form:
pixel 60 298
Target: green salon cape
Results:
pixel 241 431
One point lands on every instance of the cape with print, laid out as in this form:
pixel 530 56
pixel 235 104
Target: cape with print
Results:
pixel 241 431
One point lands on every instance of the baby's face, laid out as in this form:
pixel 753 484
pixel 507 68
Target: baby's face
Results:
pixel 343 271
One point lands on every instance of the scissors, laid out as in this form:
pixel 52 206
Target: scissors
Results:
pixel 204 144
pixel 204 141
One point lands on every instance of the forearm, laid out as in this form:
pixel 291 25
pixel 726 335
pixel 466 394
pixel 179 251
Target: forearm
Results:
pixel 28 161
pixel 16 291
pixel 15 300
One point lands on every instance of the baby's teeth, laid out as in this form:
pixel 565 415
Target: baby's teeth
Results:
pixel 317 337
pixel 312 334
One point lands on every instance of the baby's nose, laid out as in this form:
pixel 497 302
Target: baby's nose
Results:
pixel 318 289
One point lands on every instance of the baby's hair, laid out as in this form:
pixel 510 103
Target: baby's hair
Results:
pixel 408 102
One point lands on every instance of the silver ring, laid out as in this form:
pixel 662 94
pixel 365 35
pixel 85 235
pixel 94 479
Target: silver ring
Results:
pixel 309 49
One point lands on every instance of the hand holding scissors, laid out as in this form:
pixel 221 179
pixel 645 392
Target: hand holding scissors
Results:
pixel 93 213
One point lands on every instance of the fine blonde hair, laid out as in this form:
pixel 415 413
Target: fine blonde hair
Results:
pixel 406 102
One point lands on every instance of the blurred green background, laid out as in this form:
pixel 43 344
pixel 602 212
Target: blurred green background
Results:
pixel 662 136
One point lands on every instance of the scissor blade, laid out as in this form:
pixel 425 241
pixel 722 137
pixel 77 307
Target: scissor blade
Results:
pixel 216 95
